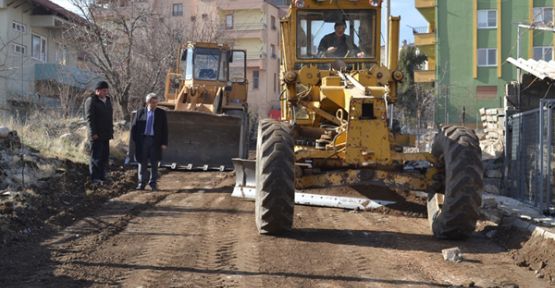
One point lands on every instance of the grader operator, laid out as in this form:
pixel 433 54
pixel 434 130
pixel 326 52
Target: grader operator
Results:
pixel 336 125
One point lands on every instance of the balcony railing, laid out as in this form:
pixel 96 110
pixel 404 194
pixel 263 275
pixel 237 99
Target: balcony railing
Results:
pixel 245 27
pixel 424 76
pixel 420 30
pixel 425 39
pixel 64 74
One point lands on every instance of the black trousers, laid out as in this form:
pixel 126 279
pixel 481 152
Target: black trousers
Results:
pixel 100 153
pixel 148 156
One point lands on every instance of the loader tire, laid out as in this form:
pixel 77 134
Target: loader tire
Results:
pixel 458 152
pixel 275 180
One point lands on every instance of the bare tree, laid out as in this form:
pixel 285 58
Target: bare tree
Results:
pixel 130 47
pixel 206 29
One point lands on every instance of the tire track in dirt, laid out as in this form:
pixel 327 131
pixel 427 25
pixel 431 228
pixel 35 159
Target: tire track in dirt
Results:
pixel 411 271
pixel 160 252
pixel 77 243
pixel 217 249
pixel 360 257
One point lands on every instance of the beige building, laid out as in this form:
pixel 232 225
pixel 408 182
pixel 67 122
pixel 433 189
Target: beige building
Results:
pixel 32 52
pixel 253 25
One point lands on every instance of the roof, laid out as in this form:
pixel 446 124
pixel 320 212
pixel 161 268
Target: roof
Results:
pixel 53 8
pixel 539 68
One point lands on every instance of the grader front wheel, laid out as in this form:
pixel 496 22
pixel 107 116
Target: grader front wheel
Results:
pixel 458 151
pixel 275 185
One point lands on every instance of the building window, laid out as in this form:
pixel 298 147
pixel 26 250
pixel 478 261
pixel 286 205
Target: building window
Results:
pixel 273 50
pixel 229 21
pixel 487 57
pixel 273 22
pixel 16 26
pixel 18 48
pixel 204 16
pixel 38 48
pixel 486 92
pixel 255 79
pixel 487 19
pixel 543 53
pixel 543 15
pixel 177 9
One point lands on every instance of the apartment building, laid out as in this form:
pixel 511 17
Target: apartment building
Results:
pixel 467 44
pixel 253 25
pixel 32 53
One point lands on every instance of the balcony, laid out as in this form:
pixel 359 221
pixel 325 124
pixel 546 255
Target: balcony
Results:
pixel 227 5
pixel 246 30
pixel 428 9
pixel 425 39
pixel 422 4
pixel 424 76
pixel 64 74
pixel 47 21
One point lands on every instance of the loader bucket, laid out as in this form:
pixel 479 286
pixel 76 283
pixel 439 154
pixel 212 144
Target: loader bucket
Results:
pixel 245 178
pixel 202 141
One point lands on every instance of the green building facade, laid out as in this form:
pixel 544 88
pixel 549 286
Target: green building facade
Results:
pixel 467 44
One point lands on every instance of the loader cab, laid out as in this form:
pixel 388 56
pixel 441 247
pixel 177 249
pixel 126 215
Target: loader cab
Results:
pixel 204 64
pixel 213 64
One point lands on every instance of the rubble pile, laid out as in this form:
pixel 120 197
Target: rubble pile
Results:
pixel 492 144
pixel 38 193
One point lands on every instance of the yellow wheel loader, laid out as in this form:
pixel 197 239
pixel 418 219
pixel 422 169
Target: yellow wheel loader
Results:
pixel 206 103
pixel 337 126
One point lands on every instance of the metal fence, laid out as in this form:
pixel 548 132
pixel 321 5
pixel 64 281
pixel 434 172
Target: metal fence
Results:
pixel 529 155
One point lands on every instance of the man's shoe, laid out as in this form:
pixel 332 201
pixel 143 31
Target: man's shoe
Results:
pixel 140 187
pixel 153 187
pixel 97 182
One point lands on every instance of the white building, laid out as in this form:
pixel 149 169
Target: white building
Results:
pixel 32 53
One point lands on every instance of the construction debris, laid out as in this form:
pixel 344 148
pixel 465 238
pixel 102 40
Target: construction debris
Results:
pixel 4 132
pixel 37 192
pixel 492 144
pixel 452 254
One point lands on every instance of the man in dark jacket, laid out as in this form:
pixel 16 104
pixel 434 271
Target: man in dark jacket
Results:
pixel 98 112
pixel 337 44
pixel 150 135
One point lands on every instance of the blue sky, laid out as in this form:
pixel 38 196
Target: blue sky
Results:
pixel 409 17
pixel 404 8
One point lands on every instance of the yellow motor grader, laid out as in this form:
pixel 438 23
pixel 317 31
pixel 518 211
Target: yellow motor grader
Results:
pixel 206 103
pixel 337 125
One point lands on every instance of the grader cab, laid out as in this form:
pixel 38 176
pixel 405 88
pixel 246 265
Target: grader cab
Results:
pixel 337 125
pixel 206 103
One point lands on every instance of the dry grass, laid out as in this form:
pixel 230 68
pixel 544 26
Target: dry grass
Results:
pixel 55 136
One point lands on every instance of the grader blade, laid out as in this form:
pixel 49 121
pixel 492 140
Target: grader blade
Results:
pixel 245 179
pixel 202 141
pixel 245 187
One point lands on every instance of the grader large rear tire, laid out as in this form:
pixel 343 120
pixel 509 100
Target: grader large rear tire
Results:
pixel 458 151
pixel 275 185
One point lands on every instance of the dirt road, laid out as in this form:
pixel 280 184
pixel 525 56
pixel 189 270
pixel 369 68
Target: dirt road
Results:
pixel 193 234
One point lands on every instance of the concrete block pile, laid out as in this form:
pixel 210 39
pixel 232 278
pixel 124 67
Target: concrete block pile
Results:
pixel 492 144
